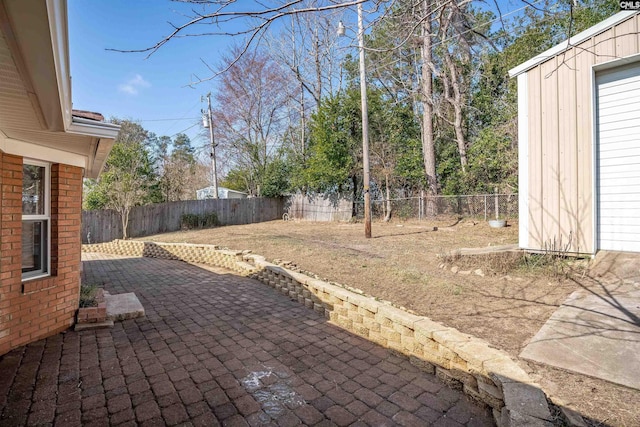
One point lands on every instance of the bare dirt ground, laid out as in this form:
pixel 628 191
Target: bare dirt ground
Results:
pixel 403 263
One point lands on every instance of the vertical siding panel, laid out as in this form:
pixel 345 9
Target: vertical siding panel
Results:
pixel 550 143
pixel 637 33
pixel 626 42
pixel 605 46
pixel 568 154
pixel 584 114
pixel 535 156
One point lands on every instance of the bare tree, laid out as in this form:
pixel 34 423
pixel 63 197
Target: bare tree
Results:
pixel 428 141
pixel 253 23
pixel 251 115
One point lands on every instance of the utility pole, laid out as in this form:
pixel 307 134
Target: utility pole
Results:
pixel 365 122
pixel 365 128
pixel 209 124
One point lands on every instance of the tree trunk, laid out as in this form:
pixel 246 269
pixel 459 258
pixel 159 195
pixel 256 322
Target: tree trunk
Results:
pixel 354 208
pixel 428 143
pixel 457 101
pixel 124 216
pixel 316 54
pixel 388 191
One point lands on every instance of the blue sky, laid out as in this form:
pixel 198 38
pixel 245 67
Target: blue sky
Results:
pixel 129 85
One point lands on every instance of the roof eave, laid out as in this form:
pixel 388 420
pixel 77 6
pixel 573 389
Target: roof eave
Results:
pixel 102 136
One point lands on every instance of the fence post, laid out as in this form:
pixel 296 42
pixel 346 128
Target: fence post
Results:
pixel 485 207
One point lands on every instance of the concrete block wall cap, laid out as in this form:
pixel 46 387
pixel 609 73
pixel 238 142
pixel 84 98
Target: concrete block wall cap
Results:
pixel 298 277
pixel 400 316
pixel 477 352
pixel 503 370
pixel 229 252
pixel 427 327
pixel 336 291
pixel 316 284
pixel 259 260
pixel 368 303
pixel 451 337
pixel 526 399
pixel 281 271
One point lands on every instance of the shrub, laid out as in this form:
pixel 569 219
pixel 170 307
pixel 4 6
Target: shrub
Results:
pixel 193 221
pixel 88 296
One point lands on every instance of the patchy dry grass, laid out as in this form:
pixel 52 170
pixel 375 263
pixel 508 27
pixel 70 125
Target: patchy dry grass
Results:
pixel 402 263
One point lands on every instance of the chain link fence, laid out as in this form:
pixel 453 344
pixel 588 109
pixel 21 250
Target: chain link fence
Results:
pixel 478 206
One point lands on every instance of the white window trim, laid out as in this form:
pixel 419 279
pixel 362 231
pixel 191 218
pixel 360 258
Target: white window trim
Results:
pixel 46 216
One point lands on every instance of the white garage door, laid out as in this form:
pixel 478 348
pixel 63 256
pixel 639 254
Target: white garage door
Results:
pixel 618 130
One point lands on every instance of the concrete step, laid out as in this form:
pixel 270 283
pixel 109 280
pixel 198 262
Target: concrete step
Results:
pixel 123 306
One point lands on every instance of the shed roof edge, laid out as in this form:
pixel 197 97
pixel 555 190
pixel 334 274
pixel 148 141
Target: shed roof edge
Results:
pixel 573 41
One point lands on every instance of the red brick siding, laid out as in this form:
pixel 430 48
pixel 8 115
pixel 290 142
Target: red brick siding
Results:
pixel 41 307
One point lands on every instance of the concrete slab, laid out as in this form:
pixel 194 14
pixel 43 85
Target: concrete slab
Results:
pixel 612 267
pixel 593 334
pixel 123 306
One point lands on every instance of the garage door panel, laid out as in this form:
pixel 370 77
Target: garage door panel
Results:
pixel 621 191
pixel 621 97
pixel 619 143
pixel 620 221
pixel 617 128
pixel 618 158
pixel 622 232
pixel 614 186
pixel 621 119
pixel 617 76
pixel 617 202
pixel 621 161
pixel 611 244
pixel 619 169
pixel 618 92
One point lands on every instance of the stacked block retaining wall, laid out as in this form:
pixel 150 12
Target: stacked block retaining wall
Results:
pixel 485 374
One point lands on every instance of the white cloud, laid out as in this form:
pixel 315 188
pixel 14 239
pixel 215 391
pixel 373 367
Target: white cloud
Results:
pixel 132 86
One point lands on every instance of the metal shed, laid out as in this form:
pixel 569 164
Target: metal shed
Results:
pixel 579 141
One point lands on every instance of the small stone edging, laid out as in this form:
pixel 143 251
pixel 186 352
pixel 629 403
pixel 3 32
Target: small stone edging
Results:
pixel 485 374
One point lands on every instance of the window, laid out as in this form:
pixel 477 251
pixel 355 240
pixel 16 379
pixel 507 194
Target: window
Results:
pixel 35 220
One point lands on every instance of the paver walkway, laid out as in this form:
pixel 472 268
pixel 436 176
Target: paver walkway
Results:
pixel 217 349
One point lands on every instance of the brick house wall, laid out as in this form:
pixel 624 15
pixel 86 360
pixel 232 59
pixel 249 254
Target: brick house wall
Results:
pixel 38 308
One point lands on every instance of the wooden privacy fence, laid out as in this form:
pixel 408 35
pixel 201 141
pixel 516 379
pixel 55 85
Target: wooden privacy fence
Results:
pixel 105 225
pixel 319 208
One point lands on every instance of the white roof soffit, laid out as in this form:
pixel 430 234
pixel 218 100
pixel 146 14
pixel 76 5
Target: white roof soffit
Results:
pixel 40 31
pixel 573 41
pixel 40 28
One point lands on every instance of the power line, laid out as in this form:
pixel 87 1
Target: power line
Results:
pixel 168 120
pixel 184 130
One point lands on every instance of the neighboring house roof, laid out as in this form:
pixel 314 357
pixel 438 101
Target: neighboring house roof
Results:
pixel 573 41
pixel 36 116
pixel 91 115
pixel 222 191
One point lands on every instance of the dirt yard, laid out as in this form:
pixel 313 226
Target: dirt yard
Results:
pixel 496 298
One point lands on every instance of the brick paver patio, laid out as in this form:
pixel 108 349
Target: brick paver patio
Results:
pixel 217 349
